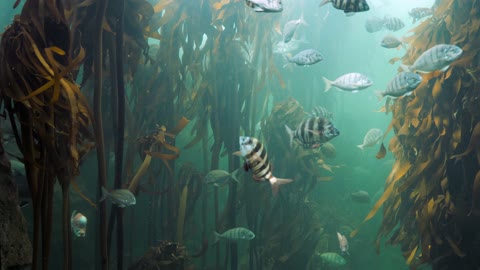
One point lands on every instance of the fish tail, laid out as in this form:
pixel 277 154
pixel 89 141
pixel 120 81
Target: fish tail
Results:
pixel 104 194
pixel 361 146
pixel 277 182
pixel 290 134
pixel 234 175
pixel 405 67
pixel 380 95
pixel 328 84
pixel 301 20
pixel 324 2
pixel 216 237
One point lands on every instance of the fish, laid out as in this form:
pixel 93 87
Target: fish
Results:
pixel 391 42
pixel 283 48
pixel 78 224
pixel 372 137
pixel 419 13
pixel 320 111
pixel 439 57
pixel 313 132
pixel 360 196
pixel 220 177
pixel 234 234
pixel 393 23
pixel 290 27
pixel 332 259
pixel 343 243
pixel 265 5
pixel 120 197
pixel 352 82
pixel 348 6
pixel 403 83
pixel 306 57
pixel 256 160
pixel 374 24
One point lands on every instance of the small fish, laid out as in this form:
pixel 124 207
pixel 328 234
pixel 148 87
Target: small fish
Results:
pixel 290 28
pixel 374 24
pixel 419 13
pixel 234 234
pixel 265 5
pixel 306 57
pixel 313 132
pixel 320 111
pixel 439 57
pixel 78 223
pixel 403 83
pixel 331 259
pixel 391 42
pixel 360 196
pixel 120 197
pixel 372 137
pixel 283 48
pixel 348 5
pixel 220 177
pixel 349 82
pixel 393 23
pixel 343 243
pixel 256 161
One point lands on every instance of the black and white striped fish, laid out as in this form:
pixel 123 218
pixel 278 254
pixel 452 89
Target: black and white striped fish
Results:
pixel 306 57
pixel 439 57
pixel 393 24
pixel 320 111
pixel 348 5
pixel 234 234
pixel 349 82
pixel 265 5
pixel 372 137
pixel 403 83
pixel 256 161
pixel 313 132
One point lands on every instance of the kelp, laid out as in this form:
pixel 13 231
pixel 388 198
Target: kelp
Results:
pixel 425 207
pixel 38 88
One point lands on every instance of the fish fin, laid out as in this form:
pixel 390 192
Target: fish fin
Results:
pixel 380 95
pixel 290 134
pixel 324 2
pixel 277 182
pixel 73 215
pixel 405 67
pixel 339 236
pixel 258 9
pixel 328 84
pixel 104 194
pixel 301 20
pixel 444 68
pixel 216 237
pixel 361 146
pixel 237 153
pixel 23 204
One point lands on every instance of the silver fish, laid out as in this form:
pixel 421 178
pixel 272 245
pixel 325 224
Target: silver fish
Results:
pixel 439 57
pixel 234 234
pixel 349 82
pixel 391 42
pixel 343 243
pixel 403 83
pixel 360 196
pixel 320 111
pixel 393 24
pixel 372 137
pixel 306 57
pixel 256 161
pixel 265 5
pixel 120 197
pixel 331 259
pixel 78 224
pixel 290 27
pixel 283 48
pixel 374 24
pixel 313 132
pixel 348 5
pixel 220 177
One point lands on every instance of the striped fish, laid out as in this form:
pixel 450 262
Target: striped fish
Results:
pixel 332 259
pixel 306 57
pixel 265 5
pixel 372 137
pixel 349 82
pixel 403 83
pixel 313 132
pixel 234 234
pixel 256 161
pixel 290 27
pixel 393 24
pixel 348 5
pixel 419 13
pixel 439 57
pixel 320 111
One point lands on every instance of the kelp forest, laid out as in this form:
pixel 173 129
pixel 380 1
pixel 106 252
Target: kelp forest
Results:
pixel 149 96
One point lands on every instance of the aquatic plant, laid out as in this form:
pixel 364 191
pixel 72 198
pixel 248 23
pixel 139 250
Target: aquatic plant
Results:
pixel 430 203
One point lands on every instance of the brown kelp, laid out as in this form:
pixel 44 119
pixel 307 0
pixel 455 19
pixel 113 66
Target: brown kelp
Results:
pixel 430 202
pixel 38 90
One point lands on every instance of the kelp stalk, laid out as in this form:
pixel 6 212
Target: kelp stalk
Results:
pixel 98 127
